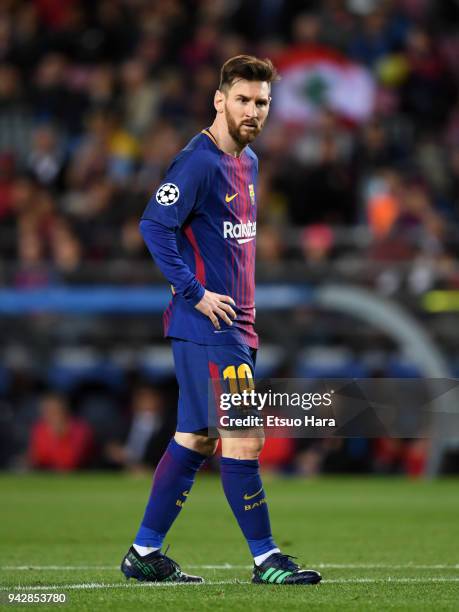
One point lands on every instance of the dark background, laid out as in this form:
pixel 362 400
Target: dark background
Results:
pixel 95 100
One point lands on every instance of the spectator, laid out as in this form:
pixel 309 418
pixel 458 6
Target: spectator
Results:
pixel 46 158
pixel 317 243
pixel 140 99
pixel 427 73
pixel 132 247
pixel 15 114
pixel 101 87
pixel 270 247
pixel 59 441
pixel 277 454
pixel 148 434
pixel 381 33
pixel 51 97
pixel 66 255
pixel 7 171
pixel 31 272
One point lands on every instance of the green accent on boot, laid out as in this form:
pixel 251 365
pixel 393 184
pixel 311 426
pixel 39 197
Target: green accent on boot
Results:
pixel 277 573
pixel 280 579
pixel 268 573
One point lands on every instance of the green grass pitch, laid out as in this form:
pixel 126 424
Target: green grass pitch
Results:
pixel 381 544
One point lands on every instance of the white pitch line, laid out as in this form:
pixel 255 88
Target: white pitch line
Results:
pixel 228 566
pixel 118 585
pixel 389 580
pixel 385 566
pixel 39 568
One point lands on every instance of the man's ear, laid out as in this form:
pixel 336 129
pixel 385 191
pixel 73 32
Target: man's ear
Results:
pixel 219 101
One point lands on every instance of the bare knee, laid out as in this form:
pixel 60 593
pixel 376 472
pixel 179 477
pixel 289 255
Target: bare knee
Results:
pixel 242 448
pixel 200 444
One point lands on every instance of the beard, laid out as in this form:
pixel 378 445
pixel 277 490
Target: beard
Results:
pixel 240 133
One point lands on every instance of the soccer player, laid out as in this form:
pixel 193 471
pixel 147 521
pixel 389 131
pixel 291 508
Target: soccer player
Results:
pixel 200 228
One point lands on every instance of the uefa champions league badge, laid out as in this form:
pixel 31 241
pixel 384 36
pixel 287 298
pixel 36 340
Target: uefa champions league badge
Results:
pixel 167 194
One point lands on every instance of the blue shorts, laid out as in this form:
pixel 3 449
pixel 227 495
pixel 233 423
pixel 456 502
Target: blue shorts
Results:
pixel 195 366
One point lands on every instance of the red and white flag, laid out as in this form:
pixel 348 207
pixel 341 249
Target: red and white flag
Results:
pixel 314 78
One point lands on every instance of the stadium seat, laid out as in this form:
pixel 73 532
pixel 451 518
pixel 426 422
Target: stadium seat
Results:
pixel 4 380
pixel 400 367
pixel 72 367
pixel 102 413
pixel 156 363
pixel 330 362
pixel 269 360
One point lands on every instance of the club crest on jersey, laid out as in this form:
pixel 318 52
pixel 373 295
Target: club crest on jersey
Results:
pixel 242 232
pixel 167 194
pixel 252 194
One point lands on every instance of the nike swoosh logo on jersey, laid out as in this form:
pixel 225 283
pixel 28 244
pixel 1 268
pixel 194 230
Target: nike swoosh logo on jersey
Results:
pixel 229 198
pixel 254 495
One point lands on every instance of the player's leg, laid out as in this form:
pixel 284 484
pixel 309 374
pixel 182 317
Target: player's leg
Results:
pixel 245 494
pixel 173 480
pixel 175 473
pixel 244 491
pixel 172 483
pixel 239 462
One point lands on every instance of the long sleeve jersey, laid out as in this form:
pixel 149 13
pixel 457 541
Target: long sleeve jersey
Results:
pixel 200 227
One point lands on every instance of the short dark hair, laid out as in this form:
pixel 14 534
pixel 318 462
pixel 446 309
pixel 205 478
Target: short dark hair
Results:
pixel 247 67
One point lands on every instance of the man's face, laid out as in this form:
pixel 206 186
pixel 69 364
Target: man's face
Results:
pixel 55 413
pixel 246 105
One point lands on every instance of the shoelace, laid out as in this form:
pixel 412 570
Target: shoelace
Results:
pixel 284 561
pixel 166 564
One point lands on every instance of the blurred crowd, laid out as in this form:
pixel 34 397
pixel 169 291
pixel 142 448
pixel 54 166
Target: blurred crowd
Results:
pixel 97 97
pixel 94 429
pixel 51 430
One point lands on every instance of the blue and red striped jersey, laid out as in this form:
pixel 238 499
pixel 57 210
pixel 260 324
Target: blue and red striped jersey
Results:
pixel 200 227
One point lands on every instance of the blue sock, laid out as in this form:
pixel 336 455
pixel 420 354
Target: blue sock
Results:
pixel 172 483
pixel 244 491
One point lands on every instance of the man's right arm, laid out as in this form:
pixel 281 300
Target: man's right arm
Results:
pixel 184 186
pixel 162 244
